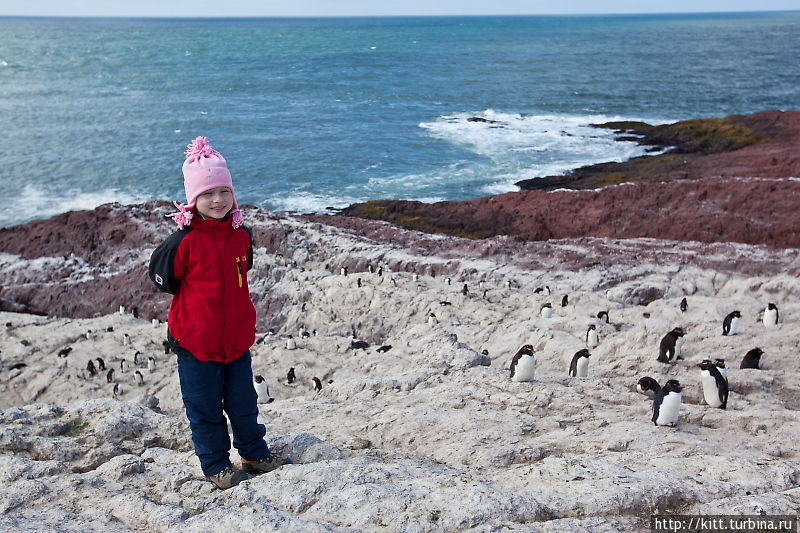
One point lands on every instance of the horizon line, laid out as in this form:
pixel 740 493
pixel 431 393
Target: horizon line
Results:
pixel 239 17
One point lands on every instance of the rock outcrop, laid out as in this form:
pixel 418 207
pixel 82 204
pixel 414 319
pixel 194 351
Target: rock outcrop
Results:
pixel 718 180
pixel 82 272
pixel 759 145
pixel 751 211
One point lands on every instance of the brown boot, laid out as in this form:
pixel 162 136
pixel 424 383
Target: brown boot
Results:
pixel 229 477
pixel 272 462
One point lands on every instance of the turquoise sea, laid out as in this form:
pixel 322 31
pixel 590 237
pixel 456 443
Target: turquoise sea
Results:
pixel 312 113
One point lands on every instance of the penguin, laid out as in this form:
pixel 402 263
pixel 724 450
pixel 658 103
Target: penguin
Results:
pixel 415 277
pixel 101 365
pixel 165 344
pixel 770 316
pixel 565 300
pixel 151 364
pixel 485 292
pixel 135 312
pixel 262 389
pixel 358 282
pixel 122 309
pixel 17 366
pixel 110 329
pixel 385 348
pixel 123 366
pixel 139 378
pixel 306 335
pixel 684 305
pixel 752 359
pixel 64 352
pixel 592 340
pixel 317 384
pixel 370 269
pixel 667 404
pixel 359 345
pixel 314 332
pixel 480 284
pixel 91 369
pixel 731 323
pixel 538 290
pixel 666 350
pixel 136 359
pixel 484 352
pixel 715 386
pixel 648 386
pixel 343 271
pixel 508 284
pixel 291 344
pixel 579 366
pixel 290 377
pixel 89 335
pixel 156 322
pixel 432 321
pixel 394 281
pixel 523 364
pixel 603 315
pixel 126 339
pixel 720 364
pixel 301 330
pixel 380 270
pixel 445 303
pixel 118 389
pixel 464 290
pixel 546 310
pixel 447 280
pixel 110 376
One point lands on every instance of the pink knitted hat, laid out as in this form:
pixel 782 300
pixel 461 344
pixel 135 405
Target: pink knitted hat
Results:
pixel 204 169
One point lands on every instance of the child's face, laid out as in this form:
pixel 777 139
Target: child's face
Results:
pixel 215 203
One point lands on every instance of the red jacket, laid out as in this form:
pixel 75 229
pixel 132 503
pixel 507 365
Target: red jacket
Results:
pixel 205 266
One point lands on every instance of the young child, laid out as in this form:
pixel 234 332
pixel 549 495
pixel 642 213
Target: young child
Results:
pixel 212 320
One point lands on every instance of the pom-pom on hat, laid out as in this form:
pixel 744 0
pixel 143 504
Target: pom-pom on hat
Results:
pixel 204 169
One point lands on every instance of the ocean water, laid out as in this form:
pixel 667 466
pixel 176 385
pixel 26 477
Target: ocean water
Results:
pixel 318 113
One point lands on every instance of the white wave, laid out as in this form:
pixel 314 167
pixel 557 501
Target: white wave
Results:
pixel 534 145
pixel 500 187
pixel 36 203
pixel 304 202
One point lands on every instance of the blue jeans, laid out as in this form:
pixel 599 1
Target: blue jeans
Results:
pixel 209 388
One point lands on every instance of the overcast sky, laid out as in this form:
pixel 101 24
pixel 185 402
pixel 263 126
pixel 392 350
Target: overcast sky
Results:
pixel 327 8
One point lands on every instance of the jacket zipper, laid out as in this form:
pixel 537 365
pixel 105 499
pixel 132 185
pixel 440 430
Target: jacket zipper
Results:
pixel 239 261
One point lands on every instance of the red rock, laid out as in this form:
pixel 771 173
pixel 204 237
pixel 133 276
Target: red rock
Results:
pixel 751 211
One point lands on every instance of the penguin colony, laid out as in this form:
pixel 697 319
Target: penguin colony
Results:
pixel 666 399
pixel 119 376
pixel 522 367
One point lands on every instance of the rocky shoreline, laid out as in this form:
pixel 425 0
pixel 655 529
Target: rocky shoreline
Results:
pixel 759 145
pixel 719 180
